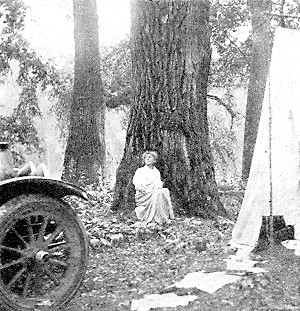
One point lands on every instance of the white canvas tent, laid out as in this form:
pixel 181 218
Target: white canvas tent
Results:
pixel 274 180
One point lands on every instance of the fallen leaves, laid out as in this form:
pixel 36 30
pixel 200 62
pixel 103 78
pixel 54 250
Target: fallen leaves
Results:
pixel 130 260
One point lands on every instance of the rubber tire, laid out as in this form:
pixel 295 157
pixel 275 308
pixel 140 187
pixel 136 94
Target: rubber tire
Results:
pixel 24 204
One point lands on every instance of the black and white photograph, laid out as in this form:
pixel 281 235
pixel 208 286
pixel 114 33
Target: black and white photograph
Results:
pixel 149 155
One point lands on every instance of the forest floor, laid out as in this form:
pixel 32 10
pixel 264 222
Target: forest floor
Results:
pixel 128 262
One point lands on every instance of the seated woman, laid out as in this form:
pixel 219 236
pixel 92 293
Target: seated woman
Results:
pixel 153 202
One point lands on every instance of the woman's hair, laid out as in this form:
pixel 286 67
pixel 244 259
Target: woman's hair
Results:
pixel 153 153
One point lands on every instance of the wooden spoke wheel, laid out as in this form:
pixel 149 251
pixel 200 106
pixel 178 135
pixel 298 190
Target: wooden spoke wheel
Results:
pixel 43 253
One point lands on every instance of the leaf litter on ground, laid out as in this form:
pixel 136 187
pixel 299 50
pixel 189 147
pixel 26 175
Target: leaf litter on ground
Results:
pixel 129 261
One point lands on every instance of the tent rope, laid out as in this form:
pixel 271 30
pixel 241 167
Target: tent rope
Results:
pixel 271 227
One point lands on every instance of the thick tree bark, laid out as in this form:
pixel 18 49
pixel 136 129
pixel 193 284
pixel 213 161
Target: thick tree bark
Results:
pixel 261 53
pixel 85 152
pixel 170 42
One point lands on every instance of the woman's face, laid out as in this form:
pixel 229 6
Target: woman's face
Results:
pixel 149 159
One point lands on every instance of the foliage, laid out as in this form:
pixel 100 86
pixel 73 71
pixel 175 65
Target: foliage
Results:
pixel 230 23
pixel 117 74
pixel 115 64
pixel 223 142
pixel 231 38
pixel 231 41
pixel 22 135
pixel 34 74
pixel 288 8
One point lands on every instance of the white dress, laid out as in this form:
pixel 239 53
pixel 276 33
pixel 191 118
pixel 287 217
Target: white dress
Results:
pixel 153 202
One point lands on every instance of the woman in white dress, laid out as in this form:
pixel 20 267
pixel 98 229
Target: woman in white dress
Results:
pixel 153 202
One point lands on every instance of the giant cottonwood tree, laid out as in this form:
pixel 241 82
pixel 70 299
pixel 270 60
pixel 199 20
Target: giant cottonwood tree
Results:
pixel 261 52
pixel 170 44
pixel 85 152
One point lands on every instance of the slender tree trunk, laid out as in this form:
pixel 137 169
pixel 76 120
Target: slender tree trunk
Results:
pixel 85 152
pixel 170 44
pixel 261 53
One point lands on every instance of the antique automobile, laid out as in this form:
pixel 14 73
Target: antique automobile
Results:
pixel 43 244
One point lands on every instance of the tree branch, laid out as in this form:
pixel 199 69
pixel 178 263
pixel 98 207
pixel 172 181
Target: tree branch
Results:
pixel 283 15
pixel 238 48
pixel 232 113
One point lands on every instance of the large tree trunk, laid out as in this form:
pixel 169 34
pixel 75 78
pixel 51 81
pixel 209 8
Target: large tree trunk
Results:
pixel 261 53
pixel 85 152
pixel 170 42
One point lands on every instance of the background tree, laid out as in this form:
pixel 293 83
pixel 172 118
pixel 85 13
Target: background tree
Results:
pixel 170 42
pixel 261 53
pixel 85 151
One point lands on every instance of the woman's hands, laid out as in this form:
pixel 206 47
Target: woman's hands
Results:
pixel 149 188
pixel 141 189
pixel 160 184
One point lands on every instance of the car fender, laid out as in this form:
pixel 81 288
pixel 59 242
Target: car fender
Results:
pixel 14 187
